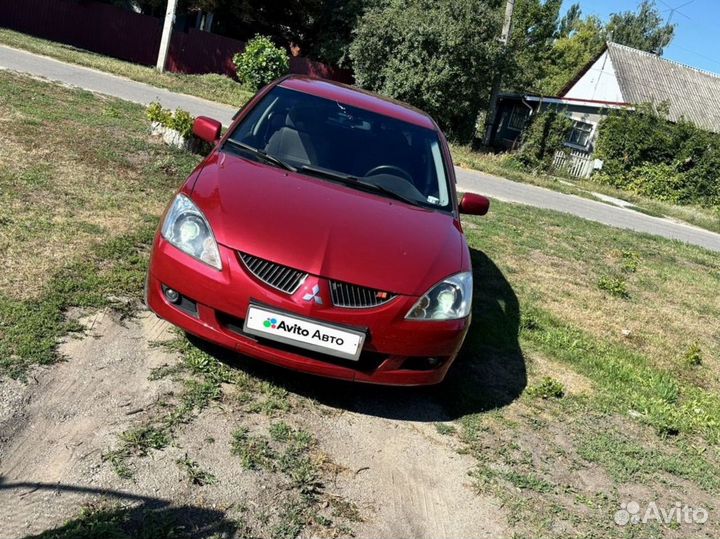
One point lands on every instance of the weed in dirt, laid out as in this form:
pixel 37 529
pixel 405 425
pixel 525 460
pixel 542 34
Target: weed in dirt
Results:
pixel 200 388
pixel 693 356
pixel 629 261
pixel 254 451
pixel 528 482
pixel 547 388
pixel 141 439
pixel 344 509
pixel 195 473
pixel 293 519
pixel 445 429
pixel 280 431
pixel 615 286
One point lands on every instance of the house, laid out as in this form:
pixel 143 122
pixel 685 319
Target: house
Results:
pixel 619 77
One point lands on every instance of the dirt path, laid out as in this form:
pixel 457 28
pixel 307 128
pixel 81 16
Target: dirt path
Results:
pixel 405 478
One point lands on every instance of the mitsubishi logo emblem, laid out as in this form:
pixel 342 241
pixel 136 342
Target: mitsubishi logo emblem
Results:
pixel 314 296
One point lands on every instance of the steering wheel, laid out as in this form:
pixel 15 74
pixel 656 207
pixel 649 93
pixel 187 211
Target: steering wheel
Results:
pixel 389 169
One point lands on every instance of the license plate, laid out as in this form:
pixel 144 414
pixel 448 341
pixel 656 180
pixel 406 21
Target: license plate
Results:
pixel 304 333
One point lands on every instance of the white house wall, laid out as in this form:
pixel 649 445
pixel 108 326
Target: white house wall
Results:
pixel 598 83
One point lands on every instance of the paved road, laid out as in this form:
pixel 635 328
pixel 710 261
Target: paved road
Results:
pixel 509 191
pixel 97 81
pixel 492 186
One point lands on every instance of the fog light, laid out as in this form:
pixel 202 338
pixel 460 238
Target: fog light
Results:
pixel 433 362
pixel 172 295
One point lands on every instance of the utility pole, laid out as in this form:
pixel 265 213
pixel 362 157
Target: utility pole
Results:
pixel 504 40
pixel 166 34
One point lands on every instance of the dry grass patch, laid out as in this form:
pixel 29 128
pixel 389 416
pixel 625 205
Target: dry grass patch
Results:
pixel 75 170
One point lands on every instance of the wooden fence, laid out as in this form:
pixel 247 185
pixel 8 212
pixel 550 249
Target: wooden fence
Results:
pixel 113 31
pixel 574 163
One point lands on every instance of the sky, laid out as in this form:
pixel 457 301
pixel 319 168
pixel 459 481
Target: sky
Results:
pixel 697 32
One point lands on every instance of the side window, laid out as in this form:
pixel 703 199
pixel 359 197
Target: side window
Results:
pixel 518 117
pixel 581 134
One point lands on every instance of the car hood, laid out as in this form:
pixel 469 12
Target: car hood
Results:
pixel 326 228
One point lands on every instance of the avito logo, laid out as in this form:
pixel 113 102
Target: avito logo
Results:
pixel 270 323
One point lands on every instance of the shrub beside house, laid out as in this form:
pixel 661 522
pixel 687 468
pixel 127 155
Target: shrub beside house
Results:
pixel 650 124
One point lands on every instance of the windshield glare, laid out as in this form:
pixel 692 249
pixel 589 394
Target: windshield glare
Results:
pixel 305 130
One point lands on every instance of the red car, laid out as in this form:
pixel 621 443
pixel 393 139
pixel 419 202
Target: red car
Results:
pixel 322 234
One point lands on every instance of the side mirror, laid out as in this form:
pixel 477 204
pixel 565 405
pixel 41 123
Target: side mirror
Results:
pixel 207 129
pixel 473 204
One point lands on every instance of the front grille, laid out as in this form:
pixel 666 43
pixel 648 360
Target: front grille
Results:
pixel 286 279
pixel 357 297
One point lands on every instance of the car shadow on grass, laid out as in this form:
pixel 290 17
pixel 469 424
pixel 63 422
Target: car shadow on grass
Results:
pixel 113 513
pixel 489 372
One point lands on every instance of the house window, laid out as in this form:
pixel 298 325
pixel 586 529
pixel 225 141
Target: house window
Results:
pixel 580 134
pixel 517 119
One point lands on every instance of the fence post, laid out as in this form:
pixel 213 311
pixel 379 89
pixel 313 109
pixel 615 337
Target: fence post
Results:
pixel 167 33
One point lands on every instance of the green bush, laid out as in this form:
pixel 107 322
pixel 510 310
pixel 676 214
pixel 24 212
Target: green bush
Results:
pixel 439 55
pixel 661 181
pixel 547 388
pixel 181 122
pixel 261 62
pixel 156 113
pixel 545 136
pixel 644 152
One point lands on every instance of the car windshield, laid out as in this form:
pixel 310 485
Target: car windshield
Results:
pixel 325 138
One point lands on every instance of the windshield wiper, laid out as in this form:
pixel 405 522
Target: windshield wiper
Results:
pixel 354 181
pixel 262 154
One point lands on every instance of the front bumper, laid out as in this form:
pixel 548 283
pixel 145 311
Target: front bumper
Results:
pixel 395 350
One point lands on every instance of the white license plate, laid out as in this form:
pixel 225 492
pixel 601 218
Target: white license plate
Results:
pixel 304 333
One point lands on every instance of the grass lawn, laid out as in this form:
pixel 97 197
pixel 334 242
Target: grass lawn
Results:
pixel 81 188
pixel 591 375
pixel 209 86
pixel 620 341
pixel 708 218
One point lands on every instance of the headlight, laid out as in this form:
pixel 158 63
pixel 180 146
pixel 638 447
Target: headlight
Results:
pixel 448 300
pixel 187 229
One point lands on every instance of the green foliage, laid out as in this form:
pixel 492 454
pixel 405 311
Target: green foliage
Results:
pixel 195 473
pixel 254 451
pixel 615 286
pixel 579 43
pixel 534 29
pixel 440 56
pixel 180 120
pixel 693 356
pixel 579 40
pixel 156 113
pixel 548 388
pixel 643 29
pixel 629 261
pixel 645 153
pixel 546 135
pixel 261 62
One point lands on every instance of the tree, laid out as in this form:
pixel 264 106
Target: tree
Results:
pixel 439 55
pixel 569 21
pixel 579 40
pixel 534 28
pixel 331 33
pixel 571 52
pixel 642 30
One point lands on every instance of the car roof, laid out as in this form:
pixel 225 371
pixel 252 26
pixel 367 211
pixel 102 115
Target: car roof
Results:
pixel 356 97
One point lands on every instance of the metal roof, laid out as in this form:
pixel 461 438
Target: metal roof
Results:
pixel 644 77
